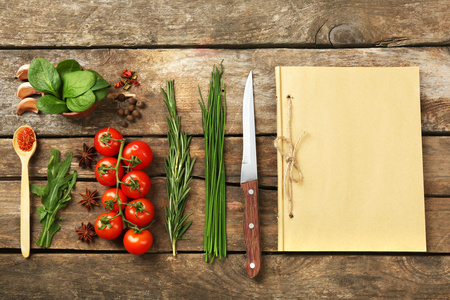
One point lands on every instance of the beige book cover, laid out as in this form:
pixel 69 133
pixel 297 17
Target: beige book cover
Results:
pixel 361 159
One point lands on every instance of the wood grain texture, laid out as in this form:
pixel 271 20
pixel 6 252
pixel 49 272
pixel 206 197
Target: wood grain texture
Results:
pixel 140 23
pixel 286 276
pixel 436 150
pixel 191 68
pixel 233 158
pixel 251 226
pixel 437 212
pixel 75 213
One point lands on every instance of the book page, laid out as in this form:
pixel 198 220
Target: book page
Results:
pixel 361 159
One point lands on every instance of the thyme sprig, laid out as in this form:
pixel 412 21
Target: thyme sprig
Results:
pixel 178 166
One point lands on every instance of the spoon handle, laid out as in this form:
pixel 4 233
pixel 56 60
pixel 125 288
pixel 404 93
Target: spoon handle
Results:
pixel 25 211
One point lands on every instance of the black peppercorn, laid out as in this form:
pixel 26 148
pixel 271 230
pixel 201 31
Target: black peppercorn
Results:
pixel 126 112
pixel 121 97
pixel 130 118
pixel 131 108
pixel 132 101
pixel 124 124
pixel 140 104
pixel 120 112
pixel 136 113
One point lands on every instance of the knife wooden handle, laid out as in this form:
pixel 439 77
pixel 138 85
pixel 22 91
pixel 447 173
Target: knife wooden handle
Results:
pixel 251 228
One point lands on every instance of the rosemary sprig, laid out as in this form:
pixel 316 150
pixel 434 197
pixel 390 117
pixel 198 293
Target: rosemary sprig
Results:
pixel 178 166
pixel 213 120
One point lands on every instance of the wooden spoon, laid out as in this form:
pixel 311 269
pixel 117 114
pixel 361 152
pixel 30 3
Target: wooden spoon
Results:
pixel 24 192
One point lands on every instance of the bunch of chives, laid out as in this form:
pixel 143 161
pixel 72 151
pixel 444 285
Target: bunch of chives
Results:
pixel 213 120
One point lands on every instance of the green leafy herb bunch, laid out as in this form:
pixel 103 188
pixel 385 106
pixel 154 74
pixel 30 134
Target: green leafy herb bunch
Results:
pixel 178 166
pixel 66 87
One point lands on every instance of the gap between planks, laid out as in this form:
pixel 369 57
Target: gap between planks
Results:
pixel 226 46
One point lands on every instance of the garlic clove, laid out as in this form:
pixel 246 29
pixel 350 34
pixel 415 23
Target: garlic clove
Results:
pixel 27 104
pixel 22 73
pixel 25 89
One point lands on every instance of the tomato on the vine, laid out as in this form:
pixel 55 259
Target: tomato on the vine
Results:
pixel 142 214
pixel 138 151
pixel 138 243
pixel 109 148
pixel 108 231
pixel 135 184
pixel 109 197
pixel 107 177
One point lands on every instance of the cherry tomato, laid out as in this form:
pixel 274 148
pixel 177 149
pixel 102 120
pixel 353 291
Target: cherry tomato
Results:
pixel 141 151
pixel 138 243
pixel 110 148
pixel 109 196
pixel 141 215
pixel 140 184
pixel 111 231
pixel 108 177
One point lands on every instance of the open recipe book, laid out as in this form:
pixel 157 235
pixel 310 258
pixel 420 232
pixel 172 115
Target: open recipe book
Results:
pixel 361 159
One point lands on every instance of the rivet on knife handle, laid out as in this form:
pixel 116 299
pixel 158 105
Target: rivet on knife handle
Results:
pixel 251 228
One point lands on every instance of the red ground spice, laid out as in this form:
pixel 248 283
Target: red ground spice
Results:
pixel 26 139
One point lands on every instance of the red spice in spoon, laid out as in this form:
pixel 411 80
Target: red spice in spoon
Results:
pixel 26 139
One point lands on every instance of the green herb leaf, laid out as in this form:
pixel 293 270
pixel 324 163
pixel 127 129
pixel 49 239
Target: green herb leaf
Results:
pixel 178 168
pixel 77 83
pixel 37 190
pixel 100 83
pixel 68 66
pixel 51 105
pixel 43 76
pixel 100 94
pixel 41 212
pixel 54 196
pixel 82 102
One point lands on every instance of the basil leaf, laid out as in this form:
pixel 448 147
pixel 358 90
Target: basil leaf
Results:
pixel 100 83
pixel 43 76
pixel 51 105
pixel 77 83
pixel 100 94
pixel 82 102
pixel 68 66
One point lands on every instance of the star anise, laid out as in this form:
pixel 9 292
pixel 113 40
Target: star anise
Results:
pixel 86 232
pixel 86 156
pixel 89 199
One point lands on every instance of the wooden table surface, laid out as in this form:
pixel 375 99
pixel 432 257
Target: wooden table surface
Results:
pixel 182 40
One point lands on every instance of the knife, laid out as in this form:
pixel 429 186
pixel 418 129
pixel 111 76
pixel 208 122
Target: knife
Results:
pixel 249 183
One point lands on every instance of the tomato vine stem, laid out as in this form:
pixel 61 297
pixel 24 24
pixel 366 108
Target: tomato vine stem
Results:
pixel 134 184
pixel 118 182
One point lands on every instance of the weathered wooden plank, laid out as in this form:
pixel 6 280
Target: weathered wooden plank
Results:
pixel 233 157
pixel 140 23
pixel 436 151
pixel 191 68
pixel 437 219
pixel 74 214
pixel 436 163
pixel 287 276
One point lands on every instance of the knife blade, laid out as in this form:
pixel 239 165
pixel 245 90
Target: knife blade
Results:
pixel 249 183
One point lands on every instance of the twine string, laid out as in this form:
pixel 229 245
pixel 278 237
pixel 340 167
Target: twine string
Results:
pixel 289 156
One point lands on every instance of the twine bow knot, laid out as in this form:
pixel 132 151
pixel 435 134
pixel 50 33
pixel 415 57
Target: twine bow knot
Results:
pixel 289 157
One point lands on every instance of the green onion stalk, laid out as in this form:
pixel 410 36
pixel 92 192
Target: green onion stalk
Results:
pixel 213 120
